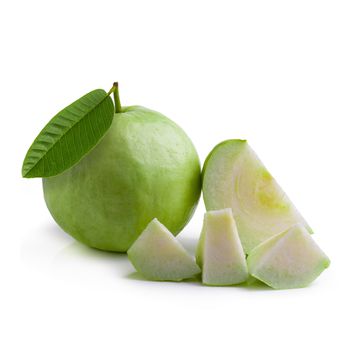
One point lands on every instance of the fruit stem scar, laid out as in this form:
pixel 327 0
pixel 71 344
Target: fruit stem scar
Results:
pixel 115 90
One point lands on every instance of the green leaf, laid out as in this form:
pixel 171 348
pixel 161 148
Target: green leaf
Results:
pixel 69 135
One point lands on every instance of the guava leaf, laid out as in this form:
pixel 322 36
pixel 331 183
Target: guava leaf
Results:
pixel 69 135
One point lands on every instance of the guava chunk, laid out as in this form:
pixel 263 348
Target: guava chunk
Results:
pixel 219 251
pixel 157 255
pixel 234 177
pixel 291 259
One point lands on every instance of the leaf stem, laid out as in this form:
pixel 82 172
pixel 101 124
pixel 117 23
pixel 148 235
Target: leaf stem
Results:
pixel 115 90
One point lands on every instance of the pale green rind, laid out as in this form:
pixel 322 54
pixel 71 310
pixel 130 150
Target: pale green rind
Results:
pixel 200 245
pixel 219 251
pixel 239 144
pixel 291 259
pixel 158 256
pixel 144 167
pixel 234 177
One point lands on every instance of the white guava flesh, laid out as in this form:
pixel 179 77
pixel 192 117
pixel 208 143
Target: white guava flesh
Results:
pixel 219 251
pixel 157 255
pixel 234 177
pixel 290 259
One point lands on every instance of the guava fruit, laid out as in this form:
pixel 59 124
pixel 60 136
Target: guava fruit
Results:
pixel 157 255
pixel 144 167
pixel 234 177
pixel 290 259
pixel 219 252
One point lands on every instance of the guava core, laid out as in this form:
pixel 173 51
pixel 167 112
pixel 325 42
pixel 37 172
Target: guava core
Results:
pixel 157 255
pixel 144 167
pixel 234 177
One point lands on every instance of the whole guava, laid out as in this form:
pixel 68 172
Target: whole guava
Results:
pixel 145 167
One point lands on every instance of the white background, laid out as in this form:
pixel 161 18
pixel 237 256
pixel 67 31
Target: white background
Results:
pixel 274 72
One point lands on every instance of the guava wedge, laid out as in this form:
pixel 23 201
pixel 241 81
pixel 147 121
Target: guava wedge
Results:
pixel 234 177
pixel 290 259
pixel 157 255
pixel 219 251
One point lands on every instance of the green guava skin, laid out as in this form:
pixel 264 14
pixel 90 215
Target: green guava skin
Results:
pixel 145 167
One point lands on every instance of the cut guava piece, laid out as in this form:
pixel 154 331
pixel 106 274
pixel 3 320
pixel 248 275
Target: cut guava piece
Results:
pixel 219 251
pixel 157 255
pixel 291 259
pixel 234 177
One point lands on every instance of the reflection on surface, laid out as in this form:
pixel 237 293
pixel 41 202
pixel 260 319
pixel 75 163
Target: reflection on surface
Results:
pixel 58 255
pixel 76 253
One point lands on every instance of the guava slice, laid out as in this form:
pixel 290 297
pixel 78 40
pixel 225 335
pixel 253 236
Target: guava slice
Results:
pixel 157 255
pixel 234 177
pixel 219 251
pixel 290 259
